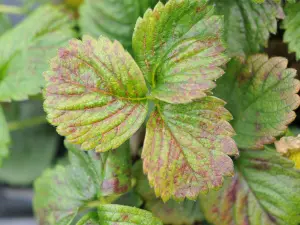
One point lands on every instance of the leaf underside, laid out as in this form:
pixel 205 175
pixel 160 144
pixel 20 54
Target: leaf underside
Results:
pixel 247 24
pixel 95 94
pixel 179 49
pixel 113 19
pixel 62 191
pixel 26 50
pixel 186 148
pixel 265 190
pixel 291 24
pixel 261 95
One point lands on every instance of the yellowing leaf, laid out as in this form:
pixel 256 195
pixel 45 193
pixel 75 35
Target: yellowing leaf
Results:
pixel 265 191
pixel 179 48
pixel 290 147
pixel 26 50
pixel 95 94
pixel 261 94
pixel 186 148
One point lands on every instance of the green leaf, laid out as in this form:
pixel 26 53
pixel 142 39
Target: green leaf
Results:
pixel 291 24
pixel 186 148
pixel 26 49
pixel 170 212
pixel 4 23
pixel 179 48
pixel 32 149
pixel 261 95
pixel 62 192
pixel 118 215
pixel 113 19
pixel 265 190
pixel 95 94
pixel 248 24
pixel 4 137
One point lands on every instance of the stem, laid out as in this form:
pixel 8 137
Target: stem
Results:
pixel 17 125
pixel 11 9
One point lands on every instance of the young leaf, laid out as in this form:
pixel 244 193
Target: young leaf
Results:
pixel 61 192
pixel 290 147
pixel 178 46
pixel 265 190
pixel 171 212
pixel 247 24
pixel 118 215
pixel 186 148
pixel 261 95
pixel 95 94
pixel 113 19
pixel 4 136
pixel 26 49
pixel 291 24
pixel 32 148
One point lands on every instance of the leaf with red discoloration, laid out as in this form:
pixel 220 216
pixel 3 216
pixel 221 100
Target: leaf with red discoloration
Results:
pixel 95 94
pixel 62 191
pixel 180 50
pixel 187 148
pixel 261 94
pixel 265 191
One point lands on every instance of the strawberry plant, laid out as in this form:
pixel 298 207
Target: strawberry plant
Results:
pixel 172 112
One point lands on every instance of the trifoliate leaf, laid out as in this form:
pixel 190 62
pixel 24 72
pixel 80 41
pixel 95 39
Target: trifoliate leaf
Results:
pixel 32 148
pixel 248 24
pixel 26 49
pixel 113 19
pixel 95 94
pixel 265 191
pixel 291 24
pixel 178 46
pixel 171 212
pixel 290 147
pixel 61 192
pixel 261 95
pixel 119 215
pixel 4 136
pixel 186 148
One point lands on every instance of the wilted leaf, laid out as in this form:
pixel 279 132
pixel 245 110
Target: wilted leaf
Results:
pixel 95 94
pixel 32 149
pixel 261 95
pixel 248 24
pixel 265 191
pixel 178 46
pixel 61 192
pixel 186 148
pixel 290 147
pixel 26 49
pixel 170 212
pixel 291 24
pixel 113 19
pixel 4 137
